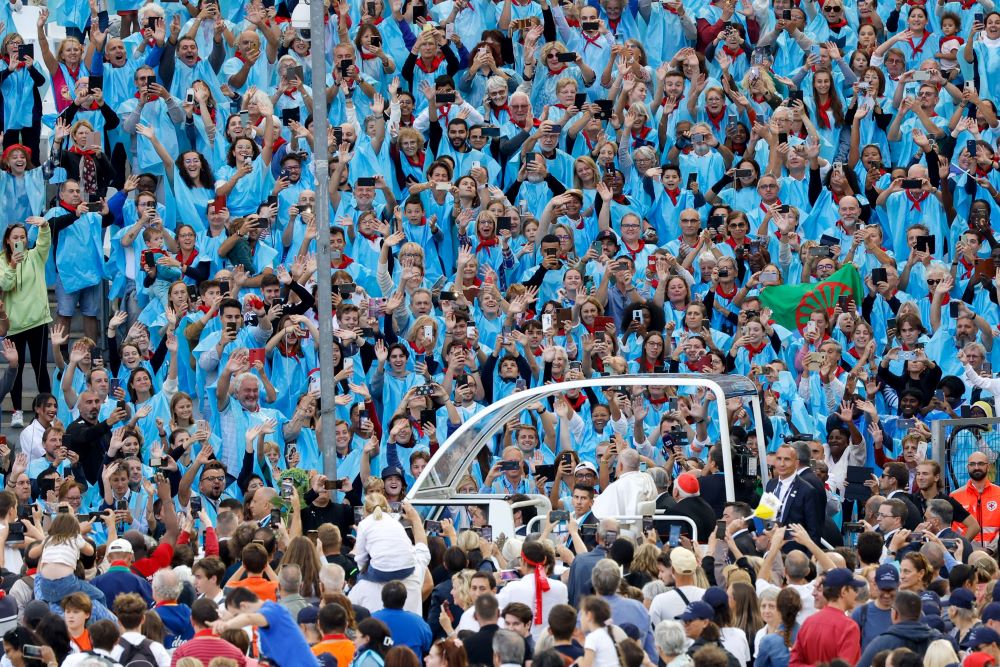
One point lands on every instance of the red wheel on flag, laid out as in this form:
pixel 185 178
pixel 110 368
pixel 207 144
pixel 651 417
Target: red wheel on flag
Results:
pixel 824 297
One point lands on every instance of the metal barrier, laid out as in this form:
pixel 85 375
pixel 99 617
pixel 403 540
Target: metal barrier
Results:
pixel 632 518
pixel 954 440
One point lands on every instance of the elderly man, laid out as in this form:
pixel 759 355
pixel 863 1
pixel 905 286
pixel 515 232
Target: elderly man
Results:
pixel 175 615
pixel 289 589
pixel 631 486
pixel 606 578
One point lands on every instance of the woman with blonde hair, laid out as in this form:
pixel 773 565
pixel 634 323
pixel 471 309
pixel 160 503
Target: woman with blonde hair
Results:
pixel 644 560
pixel 940 653
pixel 461 583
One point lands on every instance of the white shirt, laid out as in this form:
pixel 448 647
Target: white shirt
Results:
pixel 368 594
pixel 468 620
pixel 81 658
pixel 734 640
pixel 383 544
pixel 523 590
pixel 31 441
pixel 669 605
pixel 135 638
pixel 605 653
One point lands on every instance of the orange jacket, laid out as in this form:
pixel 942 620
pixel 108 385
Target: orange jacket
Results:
pixel 985 507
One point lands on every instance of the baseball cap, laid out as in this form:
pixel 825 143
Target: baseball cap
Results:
pixel 841 576
pixel 991 612
pixel 716 597
pixel 308 614
pixel 683 561
pixel 982 635
pixel 393 471
pixel 607 235
pixel 962 598
pixel 697 611
pixel 585 465
pixel 120 546
pixel 978 659
pixel 887 577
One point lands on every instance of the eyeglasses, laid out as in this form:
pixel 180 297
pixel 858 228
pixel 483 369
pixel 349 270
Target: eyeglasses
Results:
pixel 978 465
pixel 737 225
pixel 213 478
pixel 833 9
pixel 933 282
pixel 767 186
pixel 884 516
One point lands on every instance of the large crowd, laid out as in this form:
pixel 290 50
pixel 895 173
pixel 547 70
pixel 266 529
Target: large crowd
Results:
pixel 522 193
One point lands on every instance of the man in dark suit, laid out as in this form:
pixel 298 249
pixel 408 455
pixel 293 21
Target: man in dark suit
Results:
pixel 796 496
pixel 938 517
pixel 894 483
pixel 687 501
pixel 804 471
pixel 479 646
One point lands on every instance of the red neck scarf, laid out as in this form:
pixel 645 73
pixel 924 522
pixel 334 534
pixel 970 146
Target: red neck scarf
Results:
pixel 428 68
pixel 633 253
pixel 68 207
pixel 486 243
pixel 190 259
pixel 733 53
pixel 822 111
pixel 673 194
pixel 81 151
pixel 496 110
pixel 716 119
pixel 152 98
pixel 918 200
pixel 345 262
pixel 558 70
pixel 919 48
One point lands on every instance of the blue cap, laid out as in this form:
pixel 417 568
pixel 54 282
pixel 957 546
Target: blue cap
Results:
pixel 308 614
pixel 991 612
pixel 887 577
pixel 962 598
pixel 715 596
pixel 697 611
pixel 982 635
pixel 841 576
pixel 391 471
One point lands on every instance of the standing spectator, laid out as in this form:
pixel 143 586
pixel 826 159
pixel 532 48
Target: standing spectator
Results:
pixel 407 628
pixel 829 633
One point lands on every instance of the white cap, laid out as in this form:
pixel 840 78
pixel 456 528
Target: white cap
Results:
pixel 120 546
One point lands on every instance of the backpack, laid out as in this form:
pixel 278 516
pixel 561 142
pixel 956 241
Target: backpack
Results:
pixel 137 655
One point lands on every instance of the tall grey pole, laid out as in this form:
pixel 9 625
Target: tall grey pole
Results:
pixel 324 307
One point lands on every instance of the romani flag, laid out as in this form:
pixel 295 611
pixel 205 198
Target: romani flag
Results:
pixel 791 305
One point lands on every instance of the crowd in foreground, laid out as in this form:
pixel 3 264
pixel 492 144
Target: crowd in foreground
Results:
pixel 521 193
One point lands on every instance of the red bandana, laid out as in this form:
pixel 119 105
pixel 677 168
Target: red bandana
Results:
pixel 428 68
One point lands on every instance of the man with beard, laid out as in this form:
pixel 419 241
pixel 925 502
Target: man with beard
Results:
pixel 981 498
pixel 929 487
pixel 211 482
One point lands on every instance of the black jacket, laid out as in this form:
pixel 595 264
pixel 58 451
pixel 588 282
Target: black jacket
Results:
pixel 913 635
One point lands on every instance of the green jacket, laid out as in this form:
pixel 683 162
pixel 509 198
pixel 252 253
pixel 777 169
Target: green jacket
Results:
pixel 24 290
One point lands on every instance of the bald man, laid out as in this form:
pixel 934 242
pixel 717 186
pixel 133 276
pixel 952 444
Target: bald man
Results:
pixel 981 499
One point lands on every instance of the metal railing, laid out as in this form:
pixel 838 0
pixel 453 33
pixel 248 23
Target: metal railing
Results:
pixel 954 440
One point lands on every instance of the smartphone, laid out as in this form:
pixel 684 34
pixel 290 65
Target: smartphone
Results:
pixel 568 57
pixel 647 524
pixel 509 575
pixel 879 275
pixel 890 324
pixel 428 417
pixel 275 517
pixel 911 184
pixel 121 505
pixel 18 246
pixel 786 14
pixel 509 466
pixel 556 516
pixel 245 118
pixel 444 98
pixel 423 390
pixel 953 309
pixel 196 505
pixel 674 538
pixel 286 489
pixel 432 526
pixel 720 530
pixel 28 51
